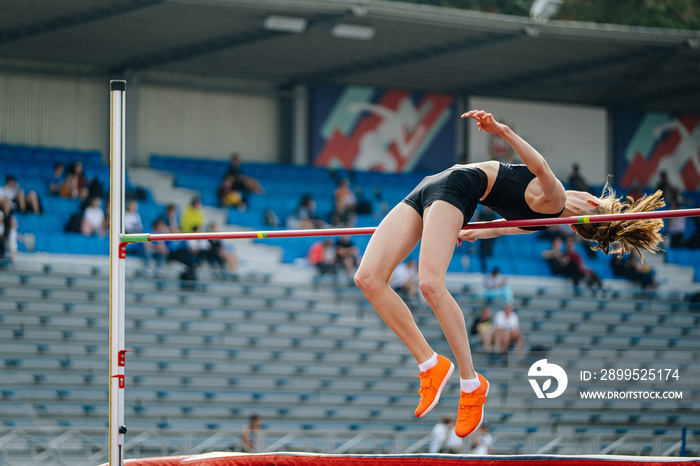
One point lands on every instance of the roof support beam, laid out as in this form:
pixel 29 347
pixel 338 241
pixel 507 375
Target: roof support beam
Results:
pixel 407 58
pixel 178 54
pixel 685 92
pixel 540 78
pixel 75 20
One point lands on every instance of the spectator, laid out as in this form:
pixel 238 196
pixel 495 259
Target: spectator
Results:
pixel 157 250
pixel 344 196
pixel 347 255
pixel 108 217
pixel 12 239
pixel 670 192
pixel 507 330
pixel 364 205
pixel 665 186
pixel 218 254
pixel 304 216
pixel 191 253
pixel 675 227
pixel 227 193
pixel 193 216
pixel 94 220
pixel 7 223
pixel 483 326
pixel 482 440
pixel 235 165
pixel 243 183
pixel 345 204
pixel 12 192
pixel 270 218
pixel 592 279
pixel 577 181
pixel 69 187
pixel 639 272
pixel 76 182
pixel 250 437
pixel 454 444
pixel 443 438
pixel 559 264
pixel 20 202
pixel 187 253
pixel 198 249
pixel 404 280
pixel 635 191
pixel 619 266
pixel 694 240
pixel 382 205
pixel 496 287
pixel 170 219
pixel 58 177
pixel 132 219
pixel 681 202
pixel 33 203
pixel 321 254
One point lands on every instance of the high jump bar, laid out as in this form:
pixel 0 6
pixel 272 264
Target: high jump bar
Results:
pixel 147 237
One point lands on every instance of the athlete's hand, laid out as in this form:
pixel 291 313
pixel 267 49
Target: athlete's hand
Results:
pixel 467 235
pixel 485 121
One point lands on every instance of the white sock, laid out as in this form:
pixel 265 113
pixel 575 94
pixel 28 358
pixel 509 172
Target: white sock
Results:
pixel 469 385
pixel 432 362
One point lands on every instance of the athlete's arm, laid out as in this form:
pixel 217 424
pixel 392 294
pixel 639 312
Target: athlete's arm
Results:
pixel 484 233
pixel 552 188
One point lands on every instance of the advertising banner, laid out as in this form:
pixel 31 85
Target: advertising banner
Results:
pixel 649 143
pixel 364 128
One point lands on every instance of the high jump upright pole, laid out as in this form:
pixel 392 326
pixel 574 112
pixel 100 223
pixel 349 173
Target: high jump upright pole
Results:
pixel 117 257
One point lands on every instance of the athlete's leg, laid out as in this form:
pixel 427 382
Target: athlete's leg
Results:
pixel 441 225
pixel 393 240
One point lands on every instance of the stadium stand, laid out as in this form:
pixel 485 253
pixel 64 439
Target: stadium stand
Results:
pixel 204 366
pixel 305 352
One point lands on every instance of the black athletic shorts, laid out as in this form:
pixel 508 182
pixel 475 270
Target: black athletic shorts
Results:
pixel 460 186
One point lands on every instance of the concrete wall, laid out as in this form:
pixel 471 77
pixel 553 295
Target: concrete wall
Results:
pixel 563 134
pixel 191 122
pixel 54 112
pixel 74 114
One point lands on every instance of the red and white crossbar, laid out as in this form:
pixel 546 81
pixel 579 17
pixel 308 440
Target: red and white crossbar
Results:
pixel 146 237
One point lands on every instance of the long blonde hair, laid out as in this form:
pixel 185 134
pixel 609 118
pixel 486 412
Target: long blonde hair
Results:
pixel 624 235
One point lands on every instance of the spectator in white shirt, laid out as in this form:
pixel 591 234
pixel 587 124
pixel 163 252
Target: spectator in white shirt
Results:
pixel 20 203
pixel 482 440
pixel 93 219
pixel 443 438
pixel 132 219
pixel 508 333
pixel 405 279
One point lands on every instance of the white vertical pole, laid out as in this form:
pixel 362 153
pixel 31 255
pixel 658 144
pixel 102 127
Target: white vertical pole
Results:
pixel 117 257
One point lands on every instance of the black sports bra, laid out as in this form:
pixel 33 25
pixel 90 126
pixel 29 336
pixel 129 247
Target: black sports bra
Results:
pixel 507 196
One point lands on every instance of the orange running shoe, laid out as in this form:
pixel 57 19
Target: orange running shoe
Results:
pixel 471 408
pixel 432 382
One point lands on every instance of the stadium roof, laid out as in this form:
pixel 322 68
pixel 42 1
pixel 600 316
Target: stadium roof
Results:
pixel 273 45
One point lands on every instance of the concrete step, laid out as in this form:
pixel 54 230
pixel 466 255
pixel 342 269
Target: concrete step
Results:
pixel 161 185
pixel 672 277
